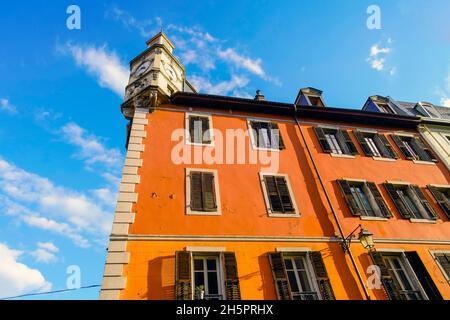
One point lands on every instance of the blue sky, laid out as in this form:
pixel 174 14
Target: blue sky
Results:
pixel 62 134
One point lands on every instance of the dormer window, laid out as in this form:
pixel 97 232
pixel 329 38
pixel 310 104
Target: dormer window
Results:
pixel 384 107
pixel 309 97
pixel 315 101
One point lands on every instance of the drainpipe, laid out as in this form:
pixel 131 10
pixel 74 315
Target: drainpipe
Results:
pixel 341 231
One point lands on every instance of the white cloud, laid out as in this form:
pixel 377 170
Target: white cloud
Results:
pixel 45 252
pixel 104 65
pixel 251 65
pixel 49 246
pixel 377 57
pixel 91 149
pixel 146 28
pixel 445 102
pixel 444 91
pixel 221 88
pixel 6 106
pixel 17 278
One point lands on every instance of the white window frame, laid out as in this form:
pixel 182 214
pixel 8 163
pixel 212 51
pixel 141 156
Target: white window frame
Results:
pixel 220 275
pixel 187 133
pixel 309 268
pixel 307 96
pixel 267 200
pixel 433 254
pixel 253 138
pixel 218 212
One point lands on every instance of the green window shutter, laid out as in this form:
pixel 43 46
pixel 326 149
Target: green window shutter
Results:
pixel 232 289
pixel 323 281
pixel 385 147
pixel 196 191
pixel 364 146
pixel 423 276
pixel 322 140
pixel 279 274
pixel 444 260
pixel 346 141
pixel 402 147
pixel 390 285
pixel 423 200
pixel 347 193
pixel 275 136
pixel 399 204
pixel 441 200
pixel 208 192
pixel 183 275
pixel 379 199
pixel 424 152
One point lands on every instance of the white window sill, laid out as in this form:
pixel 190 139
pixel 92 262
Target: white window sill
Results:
pixel 424 162
pixel 284 215
pixel 255 148
pixel 373 218
pixel 203 213
pixel 382 159
pixel 413 220
pixel 189 143
pixel 336 155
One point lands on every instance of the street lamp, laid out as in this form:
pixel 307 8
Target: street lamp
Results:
pixel 364 236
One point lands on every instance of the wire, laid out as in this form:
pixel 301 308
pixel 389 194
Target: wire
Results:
pixel 50 292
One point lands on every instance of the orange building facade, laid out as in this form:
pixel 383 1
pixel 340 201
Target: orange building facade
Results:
pixel 229 198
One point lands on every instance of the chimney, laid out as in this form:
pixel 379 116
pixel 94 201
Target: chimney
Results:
pixel 259 96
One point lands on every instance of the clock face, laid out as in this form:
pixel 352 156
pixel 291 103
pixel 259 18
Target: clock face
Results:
pixel 142 68
pixel 170 72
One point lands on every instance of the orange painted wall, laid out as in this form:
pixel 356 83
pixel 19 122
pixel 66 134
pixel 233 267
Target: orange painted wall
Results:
pixel 160 210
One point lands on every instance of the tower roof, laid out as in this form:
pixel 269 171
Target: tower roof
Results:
pixel 161 38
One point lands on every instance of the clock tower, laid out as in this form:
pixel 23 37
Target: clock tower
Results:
pixel 155 75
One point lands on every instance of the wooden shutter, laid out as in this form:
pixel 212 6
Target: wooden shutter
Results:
pixel 424 152
pixel 425 204
pixel 344 138
pixel 444 260
pixel 379 199
pixel 399 204
pixel 285 197
pixel 322 139
pixel 402 147
pixel 196 191
pixel 323 281
pixel 362 142
pixel 256 126
pixel 272 193
pixel 183 275
pixel 423 276
pixel 195 129
pixel 276 140
pixel 441 200
pixel 232 289
pixel 390 285
pixel 347 193
pixel 385 147
pixel 208 192
pixel 280 276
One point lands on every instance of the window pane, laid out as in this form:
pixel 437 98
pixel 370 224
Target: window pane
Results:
pixel 299 263
pixel 293 281
pixel 304 281
pixel 288 263
pixel 213 287
pixel 198 264
pixel 211 264
pixel 199 279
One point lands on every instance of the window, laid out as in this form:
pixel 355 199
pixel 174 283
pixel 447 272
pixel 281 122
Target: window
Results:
pixel 398 270
pixel 410 201
pixel 413 148
pixel 443 260
pixel 384 107
pixel 300 276
pixel 335 141
pixel 207 282
pixel 278 195
pixel 442 196
pixel 199 129
pixel 206 275
pixel 266 135
pixel 315 101
pixel 375 145
pixel 202 192
pixel 364 199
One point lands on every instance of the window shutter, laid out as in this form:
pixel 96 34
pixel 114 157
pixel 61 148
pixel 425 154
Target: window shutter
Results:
pixel 399 204
pixel 280 276
pixel 232 290
pixel 323 281
pixel 423 276
pixel 360 137
pixel 402 147
pixel 256 128
pixel 425 204
pixel 196 191
pixel 285 197
pixel 391 286
pixel 379 199
pixel 345 188
pixel 192 120
pixel 444 260
pixel 345 139
pixel 206 134
pixel 424 153
pixel 208 192
pixel 183 275
pixel 441 200
pixel 322 140
pixel 272 192
pixel 385 147
pixel 275 137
